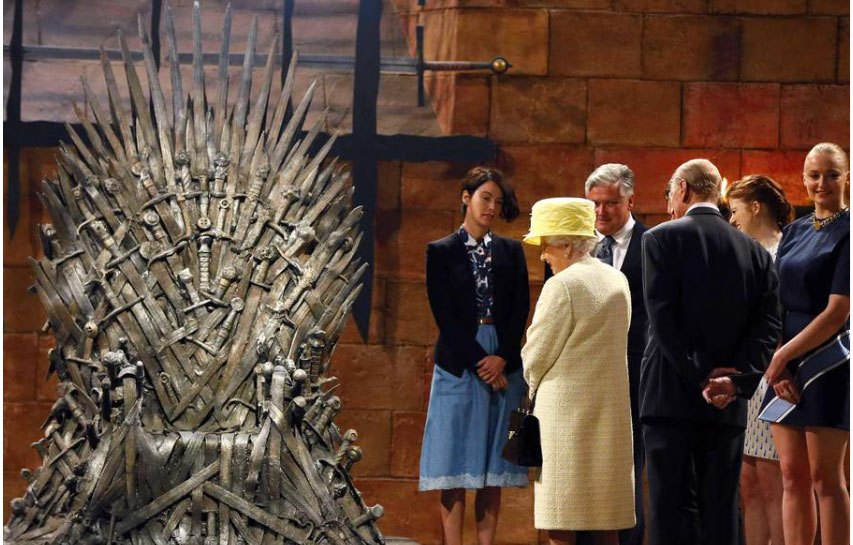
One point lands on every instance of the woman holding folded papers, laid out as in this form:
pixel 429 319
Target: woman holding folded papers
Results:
pixel 575 364
pixel 809 403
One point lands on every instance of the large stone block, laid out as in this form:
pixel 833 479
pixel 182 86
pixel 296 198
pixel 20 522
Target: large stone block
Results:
pixel 381 377
pixel 393 37
pixel 41 164
pixel 731 115
pixel 19 366
pixel 777 7
pixel 691 47
pixel 519 35
pixel 407 430
pixel 538 110
pixel 634 113
pixel 661 6
pixel 376 329
pixel 22 427
pixel 408 22
pixel 374 438
pixel 434 185
pixel 829 7
pixel 22 312
pixel 62 24
pixel 595 44
pixel 546 171
pixel 388 183
pixel 388 195
pixel 396 105
pixel 773 49
pixel 408 513
pixel 654 167
pixel 460 101
pixel 815 113
pixel 786 167
pixel 409 318
pixel 402 238
pixel 397 109
pixel 35 165
pixel 52 86
pixel 516 230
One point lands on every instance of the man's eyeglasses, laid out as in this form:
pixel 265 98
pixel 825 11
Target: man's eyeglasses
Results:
pixel 666 193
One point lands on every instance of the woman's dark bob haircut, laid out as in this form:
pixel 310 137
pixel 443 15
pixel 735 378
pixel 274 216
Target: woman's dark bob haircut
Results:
pixel 477 176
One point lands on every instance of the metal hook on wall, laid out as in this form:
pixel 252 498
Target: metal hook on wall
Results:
pixel 499 65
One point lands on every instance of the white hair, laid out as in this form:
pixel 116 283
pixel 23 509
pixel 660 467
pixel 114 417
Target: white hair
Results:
pixel 580 245
pixel 609 174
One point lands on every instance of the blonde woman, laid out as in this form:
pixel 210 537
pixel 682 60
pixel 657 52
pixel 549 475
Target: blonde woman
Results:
pixel 576 366
pixel 809 405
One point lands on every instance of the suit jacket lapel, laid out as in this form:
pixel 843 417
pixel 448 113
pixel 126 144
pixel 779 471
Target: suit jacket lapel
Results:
pixel 633 253
pixel 498 255
pixel 459 254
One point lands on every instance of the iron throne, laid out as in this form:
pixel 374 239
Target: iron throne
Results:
pixel 197 275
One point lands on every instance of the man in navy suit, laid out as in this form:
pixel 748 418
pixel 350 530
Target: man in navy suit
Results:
pixel 611 188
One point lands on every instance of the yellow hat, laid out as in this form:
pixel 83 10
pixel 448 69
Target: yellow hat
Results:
pixel 561 216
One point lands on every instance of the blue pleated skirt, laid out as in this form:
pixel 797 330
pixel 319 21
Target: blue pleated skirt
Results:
pixel 466 429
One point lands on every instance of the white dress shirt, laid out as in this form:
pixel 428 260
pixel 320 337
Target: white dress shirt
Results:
pixel 621 240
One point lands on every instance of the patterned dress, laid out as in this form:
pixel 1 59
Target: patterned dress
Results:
pixel 758 441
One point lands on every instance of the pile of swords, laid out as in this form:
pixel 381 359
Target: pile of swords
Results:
pixel 197 276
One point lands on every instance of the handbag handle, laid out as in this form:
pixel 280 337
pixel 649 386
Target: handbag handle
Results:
pixel 528 404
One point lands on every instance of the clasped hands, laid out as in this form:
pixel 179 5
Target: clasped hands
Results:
pixel 719 390
pixel 491 370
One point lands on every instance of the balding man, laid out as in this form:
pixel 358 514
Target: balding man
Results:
pixel 712 302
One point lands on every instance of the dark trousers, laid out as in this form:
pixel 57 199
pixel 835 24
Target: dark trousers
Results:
pixel 693 471
pixel 634 536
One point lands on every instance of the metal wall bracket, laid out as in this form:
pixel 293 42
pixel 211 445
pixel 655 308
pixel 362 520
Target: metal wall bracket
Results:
pixel 499 65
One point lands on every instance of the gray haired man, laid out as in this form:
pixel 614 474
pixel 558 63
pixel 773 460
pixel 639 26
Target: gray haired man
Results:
pixel 611 188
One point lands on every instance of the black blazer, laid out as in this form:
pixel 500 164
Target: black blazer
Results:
pixel 712 298
pixel 451 291
pixel 632 268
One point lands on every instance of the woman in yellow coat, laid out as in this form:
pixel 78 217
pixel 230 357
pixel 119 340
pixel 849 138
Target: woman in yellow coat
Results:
pixel 575 363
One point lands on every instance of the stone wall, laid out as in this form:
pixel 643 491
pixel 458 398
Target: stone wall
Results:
pixel 749 84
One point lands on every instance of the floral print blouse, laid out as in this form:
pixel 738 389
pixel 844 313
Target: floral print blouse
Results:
pixel 480 256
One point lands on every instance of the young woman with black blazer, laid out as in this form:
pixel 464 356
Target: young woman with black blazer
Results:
pixel 479 296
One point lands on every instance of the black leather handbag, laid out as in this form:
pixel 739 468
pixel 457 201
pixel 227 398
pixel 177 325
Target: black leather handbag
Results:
pixel 524 447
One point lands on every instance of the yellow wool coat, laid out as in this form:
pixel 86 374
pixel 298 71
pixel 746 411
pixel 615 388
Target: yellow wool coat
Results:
pixel 575 360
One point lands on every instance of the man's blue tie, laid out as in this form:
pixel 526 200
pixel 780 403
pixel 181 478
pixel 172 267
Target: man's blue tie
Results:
pixel 605 251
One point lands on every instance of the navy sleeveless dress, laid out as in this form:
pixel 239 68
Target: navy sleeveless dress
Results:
pixel 812 265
